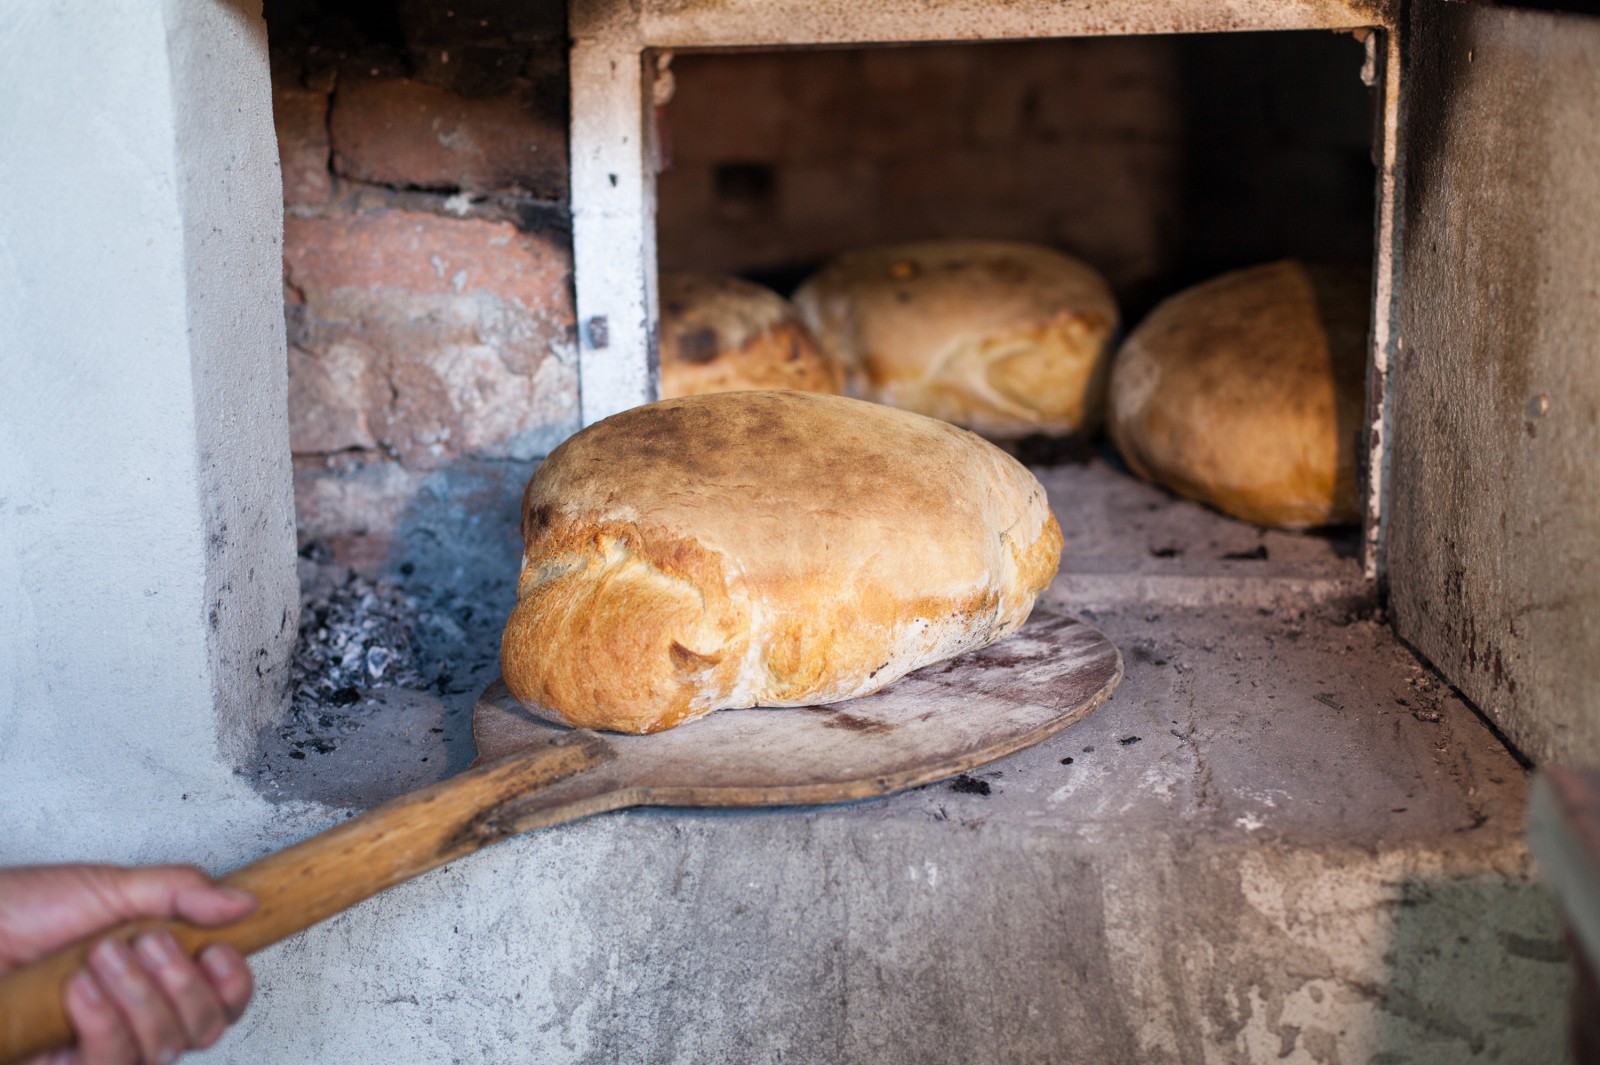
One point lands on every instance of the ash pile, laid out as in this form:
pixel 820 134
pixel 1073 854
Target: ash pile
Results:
pixel 359 635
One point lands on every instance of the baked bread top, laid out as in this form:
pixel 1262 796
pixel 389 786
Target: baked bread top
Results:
pixel 1247 392
pixel 722 334
pixel 1007 339
pixel 769 548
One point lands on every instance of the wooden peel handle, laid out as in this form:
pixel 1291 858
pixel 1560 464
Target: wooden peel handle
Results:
pixel 318 877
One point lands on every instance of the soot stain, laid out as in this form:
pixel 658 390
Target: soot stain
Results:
pixel 852 723
pixel 698 346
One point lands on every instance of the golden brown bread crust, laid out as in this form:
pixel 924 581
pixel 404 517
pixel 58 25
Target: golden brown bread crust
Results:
pixel 1247 393
pixel 1007 339
pixel 723 334
pixel 764 549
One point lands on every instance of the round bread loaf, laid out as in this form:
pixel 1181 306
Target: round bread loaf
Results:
pixel 725 334
pixel 1006 339
pixel 1246 392
pixel 763 549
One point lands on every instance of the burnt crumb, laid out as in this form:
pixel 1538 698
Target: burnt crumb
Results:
pixel 1166 552
pixel 407 569
pixel 1129 741
pixel 1142 652
pixel 967 784
pixel 1067 760
pixel 1088 750
pixel 1255 554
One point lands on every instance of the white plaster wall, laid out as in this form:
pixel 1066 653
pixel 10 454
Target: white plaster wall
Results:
pixel 146 541
pixel 230 186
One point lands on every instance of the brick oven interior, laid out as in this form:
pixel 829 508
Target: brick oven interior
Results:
pixel 1295 832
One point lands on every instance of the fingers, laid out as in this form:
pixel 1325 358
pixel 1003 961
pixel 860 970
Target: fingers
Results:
pixel 139 1004
pixel 230 978
pixel 45 908
pixel 177 891
pixel 146 1014
pixel 147 1004
pixel 195 1002
pixel 103 1038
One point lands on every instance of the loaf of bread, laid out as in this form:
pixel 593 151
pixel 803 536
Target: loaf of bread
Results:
pixel 770 548
pixel 1007 339
pixel 1246 393
pixel 725 334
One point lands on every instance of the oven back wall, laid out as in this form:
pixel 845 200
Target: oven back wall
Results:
pixel 1161 160
pixel 1494 555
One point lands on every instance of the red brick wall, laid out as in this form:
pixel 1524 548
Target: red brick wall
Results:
pixel 427 268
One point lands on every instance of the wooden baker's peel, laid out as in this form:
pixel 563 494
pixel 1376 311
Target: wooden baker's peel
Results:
pixel 939 721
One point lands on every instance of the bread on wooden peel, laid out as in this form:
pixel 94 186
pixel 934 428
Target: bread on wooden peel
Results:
pixel 767 548
pixel 724 334
pixel 1246 392
pixel 1006 339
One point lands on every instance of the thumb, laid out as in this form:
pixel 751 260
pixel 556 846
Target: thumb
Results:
pixel 169 891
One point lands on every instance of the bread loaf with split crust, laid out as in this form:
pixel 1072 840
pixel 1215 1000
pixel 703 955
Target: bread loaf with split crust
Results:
pixel 725 334
pixel 1006 339
pixel 767 548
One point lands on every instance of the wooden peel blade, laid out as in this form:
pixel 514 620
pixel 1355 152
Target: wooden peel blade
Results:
pixel 326 874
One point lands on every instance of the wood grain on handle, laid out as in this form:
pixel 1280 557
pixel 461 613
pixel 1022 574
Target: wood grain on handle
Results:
pixel 318 877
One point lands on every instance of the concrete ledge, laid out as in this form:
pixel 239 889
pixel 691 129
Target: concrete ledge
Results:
pixel 1280 840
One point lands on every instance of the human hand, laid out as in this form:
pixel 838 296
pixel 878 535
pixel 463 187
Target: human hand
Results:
pixel 131 1005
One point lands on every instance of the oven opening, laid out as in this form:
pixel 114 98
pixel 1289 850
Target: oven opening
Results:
pixel 441 325
pixel 1161 162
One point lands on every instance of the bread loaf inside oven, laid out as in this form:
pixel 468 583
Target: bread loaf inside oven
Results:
pixel 1007 339
pixel 1247 393
pixel 766 548
pixel 724 334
